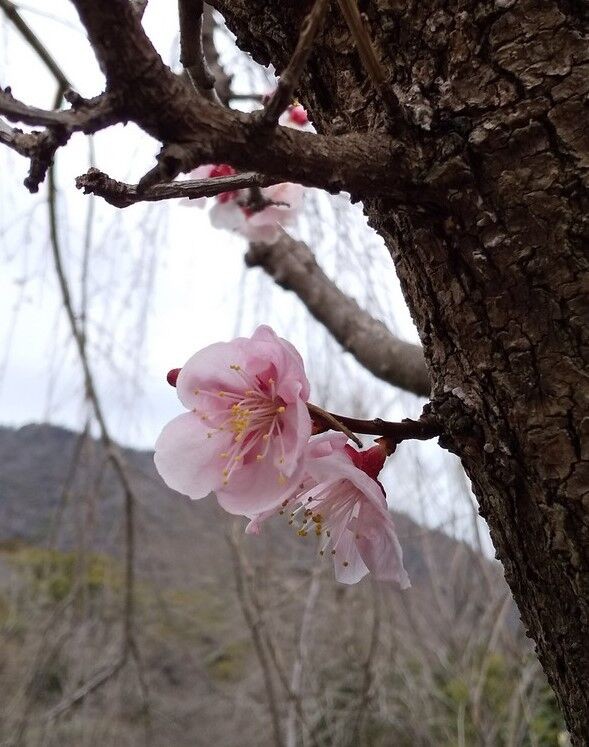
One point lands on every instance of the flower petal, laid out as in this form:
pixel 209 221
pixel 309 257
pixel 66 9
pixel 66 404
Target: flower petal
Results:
pixel 187 459
pixel 347 561
pixel 379 546
pixel 256 489
pixel 210 369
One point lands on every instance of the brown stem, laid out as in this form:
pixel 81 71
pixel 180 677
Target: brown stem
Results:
pixel 123 195
pixel 421 430
pixel 332 422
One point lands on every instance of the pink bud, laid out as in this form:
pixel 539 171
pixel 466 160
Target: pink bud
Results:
pixel 298 115
pixel 172 376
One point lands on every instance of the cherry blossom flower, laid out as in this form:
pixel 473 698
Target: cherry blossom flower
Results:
pixel 247 428
pixel 231 210
pixel 260 225
pixel 342 503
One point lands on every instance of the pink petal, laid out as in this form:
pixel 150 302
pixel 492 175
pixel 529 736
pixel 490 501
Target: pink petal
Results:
pixel 295 434
pixel 187 459
pixel 210 369
pixel 227 215
pixel 379 546
pixel 347 552
pixel 256 489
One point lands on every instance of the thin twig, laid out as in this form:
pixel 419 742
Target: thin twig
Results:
pixel 367 52
pixel 192 54
pixel 368 676
pixel 422 430
pixel 282 96
pixel 31 38
pixel 257 639
pixel 333 421
pixel 123 195
pixel 95 682
pixel 114 456
pixel 296 680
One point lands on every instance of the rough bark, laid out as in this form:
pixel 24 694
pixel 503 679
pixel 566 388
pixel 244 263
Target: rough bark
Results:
pixel 496 273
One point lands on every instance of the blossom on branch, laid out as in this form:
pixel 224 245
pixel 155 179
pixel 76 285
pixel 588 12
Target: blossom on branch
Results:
pixel 247 428
pixel 346 507
pixel 342 503
pixel 247 437
pixel 258 217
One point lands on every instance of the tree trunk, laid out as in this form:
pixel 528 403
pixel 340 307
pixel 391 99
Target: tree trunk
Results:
pixel 495 94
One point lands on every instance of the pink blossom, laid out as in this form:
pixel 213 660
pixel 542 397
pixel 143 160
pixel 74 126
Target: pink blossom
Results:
pixel 296 117
pixel 247 428
pixel 261 225
pixel 232 213
pixel 343 504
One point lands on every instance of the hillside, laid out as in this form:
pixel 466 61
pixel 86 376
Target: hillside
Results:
pixel 62 586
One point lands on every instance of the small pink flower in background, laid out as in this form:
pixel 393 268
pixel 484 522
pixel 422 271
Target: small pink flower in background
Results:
pixel 295 116
pixel 342 503
pixel 231 212
pixel 247 428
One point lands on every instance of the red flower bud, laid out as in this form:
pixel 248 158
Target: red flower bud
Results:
pixel 298 115
pixel 172 376
pixel 370 461
pixel 222 169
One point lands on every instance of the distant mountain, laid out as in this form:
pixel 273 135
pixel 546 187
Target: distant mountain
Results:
pixel 53 481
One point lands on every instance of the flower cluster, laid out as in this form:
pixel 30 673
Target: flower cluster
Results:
pixel 276 207
pixel 247 438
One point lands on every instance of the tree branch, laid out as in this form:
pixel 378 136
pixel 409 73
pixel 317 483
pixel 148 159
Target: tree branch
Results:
pixel 222 79
pixel 86 116
pixel 292 265
pixel 418 430
pixel 199 132
pixel 11 12
pixel 192 54
pixel 289 79
pixel 123 195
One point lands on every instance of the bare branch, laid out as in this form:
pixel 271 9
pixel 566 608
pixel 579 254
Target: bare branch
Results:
pixel 368 56
pixel 222 78
pixel 140 7
pixel 293 266
pixel 192 54
pixel 85 115
pixel 123 195
pixel 421 430
pixel 289 79
pixel 198 132
pixel 40 147
pixel 12 13
pixel 332 421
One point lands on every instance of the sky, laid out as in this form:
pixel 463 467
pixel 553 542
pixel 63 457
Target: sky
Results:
pixel 163 283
